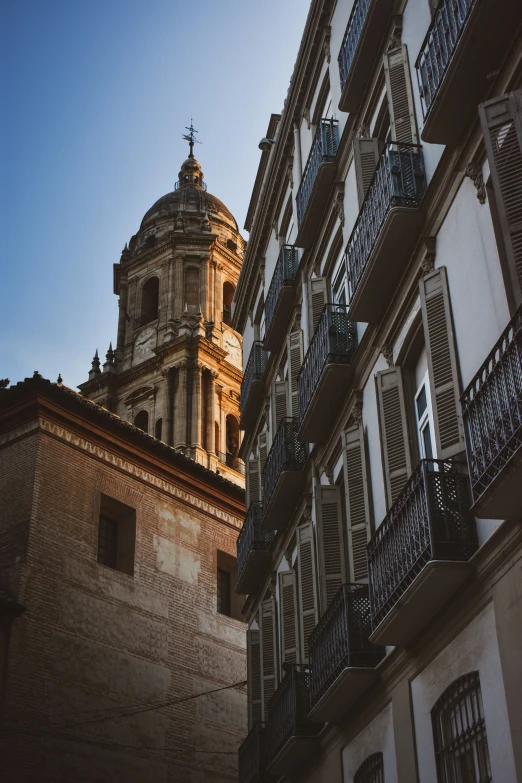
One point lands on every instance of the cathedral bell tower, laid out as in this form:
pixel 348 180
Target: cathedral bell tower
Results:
pixel 177 366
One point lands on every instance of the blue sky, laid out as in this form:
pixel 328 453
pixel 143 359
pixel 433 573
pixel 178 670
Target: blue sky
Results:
pixel 95 98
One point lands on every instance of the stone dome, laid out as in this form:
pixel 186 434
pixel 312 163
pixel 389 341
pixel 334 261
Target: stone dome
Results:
pixel 187 199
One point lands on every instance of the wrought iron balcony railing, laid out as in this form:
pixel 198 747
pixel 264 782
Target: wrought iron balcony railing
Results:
pixel 341 639
pixel 324 148
pixel 438 46
pixel 399 181
pixel 253 536
pixel 283 277
pixel 351 38
pixel 231 462
pixel 288 710
pixel 287 454
pixel 430 520
pixel 253 372
pixel 334 342
pixel 252 760
pixel 492 409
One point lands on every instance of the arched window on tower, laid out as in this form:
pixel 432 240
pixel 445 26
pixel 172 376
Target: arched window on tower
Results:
pixel 158 428
pixel 149 301
pixel 192 303
pixel 228 295
pixel 232 441
pixel 217 442
pixel 142 421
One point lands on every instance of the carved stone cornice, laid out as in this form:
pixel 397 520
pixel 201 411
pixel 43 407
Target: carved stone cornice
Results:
pixel 428 251
pixel 474 171
pixel 387 352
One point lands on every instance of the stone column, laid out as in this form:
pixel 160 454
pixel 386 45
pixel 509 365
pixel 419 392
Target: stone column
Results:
pixel 218 289
pixel 178 287
pixel 211 290
pixel 196 406
pixel 171 288
pixel 168 402
pixel 212 446
pixel 122 317
pixel 204 288
pixel 180 407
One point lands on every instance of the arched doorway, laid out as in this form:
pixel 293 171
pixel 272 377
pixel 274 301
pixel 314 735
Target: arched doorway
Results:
pixel 228 295
pixel 149 301
pixel 142 421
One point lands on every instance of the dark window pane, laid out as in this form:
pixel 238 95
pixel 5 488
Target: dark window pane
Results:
pixel 421 402
pixel 108 542
pixel 426 439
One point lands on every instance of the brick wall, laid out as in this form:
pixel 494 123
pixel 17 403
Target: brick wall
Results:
pixel 93 640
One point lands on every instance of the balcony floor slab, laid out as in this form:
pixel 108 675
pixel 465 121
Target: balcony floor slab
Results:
pixel 280 316
pixel 372 33
pixel 480 50
pixel 285 498
pixel 423 599
pixel 503 497
pixel 316 204
pixel 324 405
pixel 253 571
pixel 293 755
pixel 386 264
pixel 351 683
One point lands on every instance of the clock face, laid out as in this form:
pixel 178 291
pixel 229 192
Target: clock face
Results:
pixel 233 346
pixel 144 344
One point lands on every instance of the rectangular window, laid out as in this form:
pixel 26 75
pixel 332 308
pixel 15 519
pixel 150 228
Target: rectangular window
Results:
pixel 424 419
pixel 116 535
pixel 223 592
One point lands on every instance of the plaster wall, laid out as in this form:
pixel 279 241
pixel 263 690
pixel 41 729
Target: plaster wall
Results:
pixel 474 649
pixel 271 256
pixel 376 737
pixel 338 24
pixel 371 426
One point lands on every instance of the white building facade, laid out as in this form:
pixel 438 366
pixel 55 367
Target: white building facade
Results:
pixel 380 306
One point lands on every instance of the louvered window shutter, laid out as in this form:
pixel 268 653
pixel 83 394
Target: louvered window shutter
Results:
pixel 263 451
pixel 366 157
pixel 316 302
pixel 330 529
pixel 255 711
pixel 394 431
pixel 307 584
pixel 400 97
pixel 253 485
pixel 288 617
pixel 357 502
pixel 501 120
pixel 442 363
pixel 295 354
pixel 267 622
pixel 279 403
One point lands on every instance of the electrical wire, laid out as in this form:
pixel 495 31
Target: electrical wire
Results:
pixel 147 708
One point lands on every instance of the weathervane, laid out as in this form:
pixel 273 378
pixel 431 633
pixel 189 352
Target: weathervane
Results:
pixel 191 138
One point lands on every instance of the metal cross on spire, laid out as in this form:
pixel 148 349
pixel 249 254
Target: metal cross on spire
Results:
pixel 191 138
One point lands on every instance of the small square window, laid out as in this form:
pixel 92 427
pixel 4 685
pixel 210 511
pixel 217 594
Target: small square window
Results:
pixel 228 603
pixel 116 535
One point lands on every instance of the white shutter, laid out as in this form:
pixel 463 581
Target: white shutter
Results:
pixel 295 360
pixel 317 296
pixel 288 620
pixel 269 669
pixel 330 534
pixel 501 120
pixel 307 585
pixel 357 502
pixel 393 424
pixel 366 157
pixel 263 451
pixel 279 404
pixel 255 710
pixel 253 483
pixel 442 363
pixel 400 96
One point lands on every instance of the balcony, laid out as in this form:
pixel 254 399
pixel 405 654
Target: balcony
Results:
pixel 419 555
pixel 253 386
pixel 291 736
pixel 327 366
pixel 253 550
pixel 342 659
pixel 466 41
pixel 492 411
pixel 231 462
pixel 251 762
pixel 360 47
pixel 283 477
pixel 386 231
pixel 318 178
pixel 280 297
